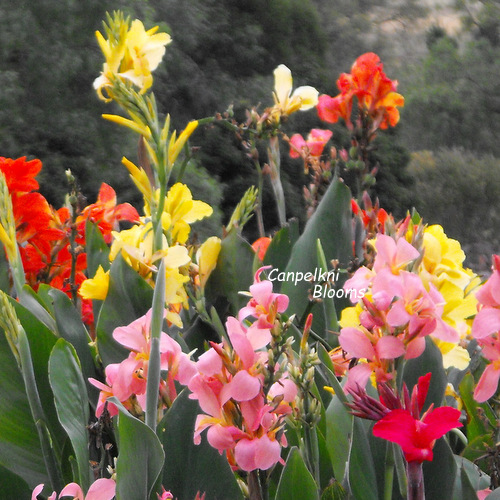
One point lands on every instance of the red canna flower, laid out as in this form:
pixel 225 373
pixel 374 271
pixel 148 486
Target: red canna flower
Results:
pixel 417 435
pixel 260 247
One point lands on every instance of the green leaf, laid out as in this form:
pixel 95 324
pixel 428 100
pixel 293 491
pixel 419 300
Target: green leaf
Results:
pixel 140 458
pixel 430 361
pixel 129 297
pixel 96 249
pixel 12 487
pixel 478 447
pixel 20 450
pixel 31 301
pixel 233 273
pixel 70 394
pixel 439 475
pixel 190 468
pixel 71 328
pixel 4 271
pixel 280 249
pixel 296 482
pixel 470 479
pixel 362 478
pixel 481 420
pixel 494 495
pixel 332 225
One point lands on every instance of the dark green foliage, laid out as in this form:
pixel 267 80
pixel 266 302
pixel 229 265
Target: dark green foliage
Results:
pixel 460 191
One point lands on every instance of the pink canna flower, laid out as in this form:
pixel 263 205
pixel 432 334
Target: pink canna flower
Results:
pixel 107 391
pixel 314 145
pixel 258 453
pixel 264 304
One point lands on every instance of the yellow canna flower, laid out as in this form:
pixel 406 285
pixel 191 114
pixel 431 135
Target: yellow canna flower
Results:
pixel 183 211
pixel 286 102
pixel 96 287
pixel 206 257
pixel 131 53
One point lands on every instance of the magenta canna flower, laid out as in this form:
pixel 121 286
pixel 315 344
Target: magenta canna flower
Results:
pixel 102 489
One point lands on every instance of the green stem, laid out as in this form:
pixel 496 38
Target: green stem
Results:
pixel 415 481
pixel 154 369
pixel 258 209
pixel 389 471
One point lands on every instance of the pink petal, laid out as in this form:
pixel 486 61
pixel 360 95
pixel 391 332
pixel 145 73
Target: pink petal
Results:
pixel 258 337
pixel 220 438
pixel 209 363
pixel 356 343
pixel 132 335
pixel 297 142
pixel 38 489
pixel 243 387
pixel 486 322
pixel 205 395
pixel 398 315
pixel 251 454
pixel 415 348
pixel 261 292
pixel 358 376
pixel 72 490
pixel 386 251
pixel 405 252
pixel 487 385
pixel 390 347
pixel 243 348
pixel 102 489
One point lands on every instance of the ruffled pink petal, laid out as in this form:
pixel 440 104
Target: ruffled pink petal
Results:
pixel 398 315
pixel 487 385
pixel 415 348
pixel 262 292
pixel 206 397
pixel 220 438
pixel 72 490
pixel 356 343
pixel 243 387
pixel 390 347
pixel 358 376
pixel 132 336
pixel 102 489
pixel 126 383
pixel 297 142
pixel 209 363
pixel 486 322
pixel 258 337
pixel 254 454
pixel 243 348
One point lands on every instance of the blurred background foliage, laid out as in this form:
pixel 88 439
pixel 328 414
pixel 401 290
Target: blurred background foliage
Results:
pixel 443 158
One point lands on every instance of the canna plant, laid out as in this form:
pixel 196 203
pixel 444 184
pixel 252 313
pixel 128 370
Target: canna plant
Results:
pixel 140 364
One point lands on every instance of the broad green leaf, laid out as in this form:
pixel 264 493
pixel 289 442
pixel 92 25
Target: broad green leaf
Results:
pixel 70 394
pixel 478 447
pixel 129 297
pixel 280 249
pixel 233 273
pixel 494 495
pixel 362 478
pixel 296 482
pixel 71 328
pixel 140 458
pixel 430 361
pixel 439 475
pixel 12 487
pixel 469 479
pixel 20 450
pixel 35 304
pixel 190 468
pixel 332 225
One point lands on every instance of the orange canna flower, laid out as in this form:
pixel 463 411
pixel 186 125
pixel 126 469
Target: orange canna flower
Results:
pixel 375 92
pixel 106 213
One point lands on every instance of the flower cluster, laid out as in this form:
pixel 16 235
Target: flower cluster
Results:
pixel 375 92
pixel 242 391
pixel 486 330
pixel 127 381
pixel 131 53
pixel 395 314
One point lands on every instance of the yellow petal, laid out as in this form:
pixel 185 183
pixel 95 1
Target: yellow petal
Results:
pixel 308 97
pixel 206 257
pixel 96 287
pixel 136 127
pixel 199 210
pixel 282 83
pixel 177 256
pixel 175 146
